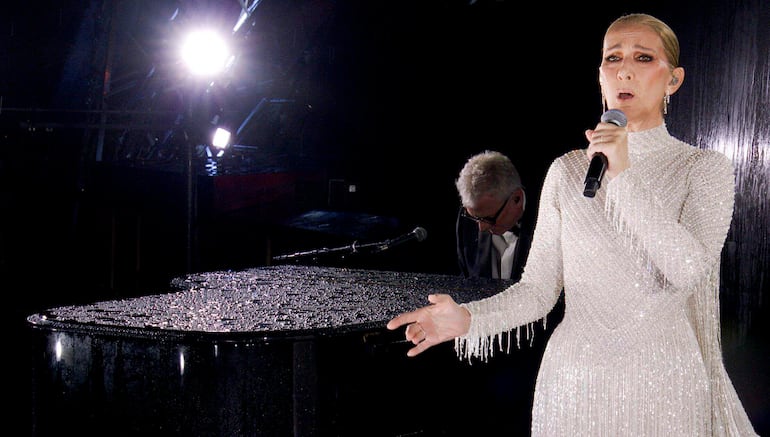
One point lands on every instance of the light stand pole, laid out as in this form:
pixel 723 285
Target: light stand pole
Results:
pixel 206 56
pixel 191 193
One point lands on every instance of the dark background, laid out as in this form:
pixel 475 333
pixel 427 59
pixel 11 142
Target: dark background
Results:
pixel 364 112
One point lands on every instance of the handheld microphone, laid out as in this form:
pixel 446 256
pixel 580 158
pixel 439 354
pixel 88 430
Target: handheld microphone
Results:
pixel 598 164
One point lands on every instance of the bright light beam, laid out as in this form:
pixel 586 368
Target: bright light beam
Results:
pixel 205 53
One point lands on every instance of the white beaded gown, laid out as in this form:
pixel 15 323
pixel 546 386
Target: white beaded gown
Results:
pixel 638 351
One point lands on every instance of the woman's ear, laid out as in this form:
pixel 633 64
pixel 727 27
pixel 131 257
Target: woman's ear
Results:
pixel 677 77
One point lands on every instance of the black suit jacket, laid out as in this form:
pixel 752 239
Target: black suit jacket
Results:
pixel 474 249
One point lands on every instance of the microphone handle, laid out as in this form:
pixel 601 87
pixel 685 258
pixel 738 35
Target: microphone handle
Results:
pixel 599 163
pixel 595 173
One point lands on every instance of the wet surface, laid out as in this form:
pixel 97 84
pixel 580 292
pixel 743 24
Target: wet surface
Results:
pixel 281 350
pixel 287 300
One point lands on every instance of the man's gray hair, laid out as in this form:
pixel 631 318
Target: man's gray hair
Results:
pixel 488 172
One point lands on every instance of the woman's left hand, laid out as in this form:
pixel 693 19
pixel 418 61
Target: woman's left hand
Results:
pixel 436 323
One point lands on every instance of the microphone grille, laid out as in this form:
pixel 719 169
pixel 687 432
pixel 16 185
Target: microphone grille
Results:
pixel 420 233
pixel 616 117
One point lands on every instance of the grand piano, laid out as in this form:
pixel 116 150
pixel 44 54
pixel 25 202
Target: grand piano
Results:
pixel 285 350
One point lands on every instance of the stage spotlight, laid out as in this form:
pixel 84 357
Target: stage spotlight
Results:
pixel 221 138
pixel 205 53
pixel 219 142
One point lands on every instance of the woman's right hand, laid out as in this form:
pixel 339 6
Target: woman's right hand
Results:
pixel 612 141
pixel 436 323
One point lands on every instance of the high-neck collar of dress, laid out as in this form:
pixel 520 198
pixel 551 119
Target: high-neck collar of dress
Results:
pixel 648 141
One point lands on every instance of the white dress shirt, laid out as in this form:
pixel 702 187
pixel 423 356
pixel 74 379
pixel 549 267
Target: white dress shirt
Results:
pixel 505 245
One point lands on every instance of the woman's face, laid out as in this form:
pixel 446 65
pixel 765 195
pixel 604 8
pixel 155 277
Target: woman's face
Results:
pixel 635 75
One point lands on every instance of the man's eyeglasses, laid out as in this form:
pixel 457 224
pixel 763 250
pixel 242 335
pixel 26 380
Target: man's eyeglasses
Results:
pixel 491 220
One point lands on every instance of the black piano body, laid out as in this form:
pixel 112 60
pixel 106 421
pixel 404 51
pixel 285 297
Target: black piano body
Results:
pixel 276 351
